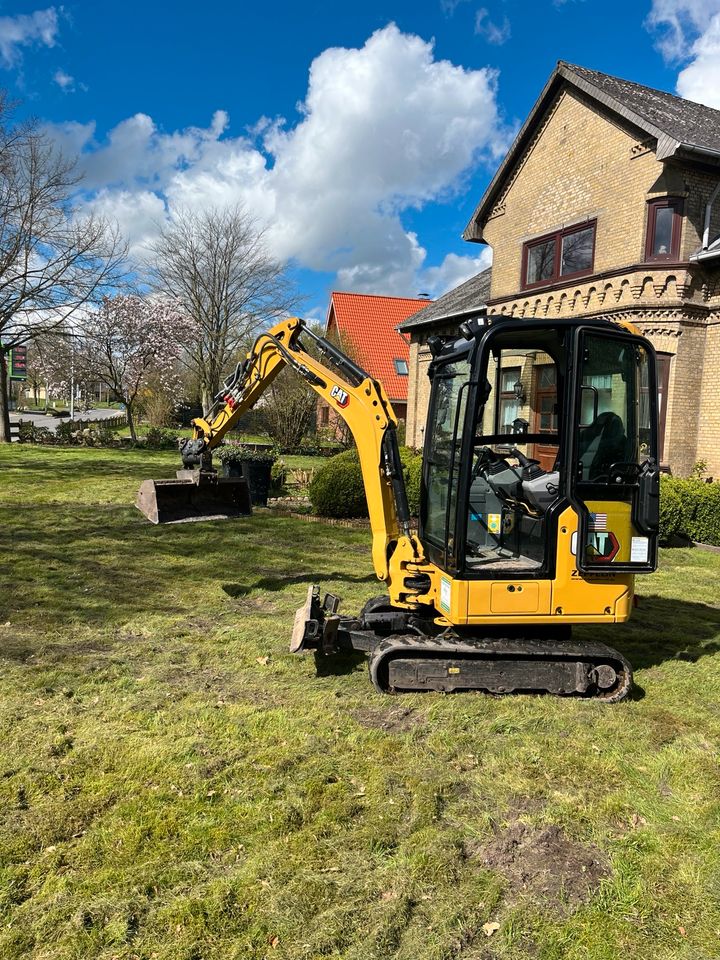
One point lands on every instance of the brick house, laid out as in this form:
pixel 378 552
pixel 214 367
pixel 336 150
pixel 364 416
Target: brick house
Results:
pixel 608 202
pixel 365 327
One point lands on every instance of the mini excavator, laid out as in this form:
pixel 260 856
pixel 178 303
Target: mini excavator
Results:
pixel 539 502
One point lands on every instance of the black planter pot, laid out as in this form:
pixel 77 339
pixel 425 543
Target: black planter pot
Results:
pixel 257 473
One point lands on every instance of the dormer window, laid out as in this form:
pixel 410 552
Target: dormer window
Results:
pixel 565 253
pixel 664 224
pixel 401 367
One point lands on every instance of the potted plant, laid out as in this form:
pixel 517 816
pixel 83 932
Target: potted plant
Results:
pixel 254 461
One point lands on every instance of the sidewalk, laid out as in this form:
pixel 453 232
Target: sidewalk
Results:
pixel 41 420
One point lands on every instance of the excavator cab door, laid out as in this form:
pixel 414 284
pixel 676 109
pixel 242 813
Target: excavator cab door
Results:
pixel 613 473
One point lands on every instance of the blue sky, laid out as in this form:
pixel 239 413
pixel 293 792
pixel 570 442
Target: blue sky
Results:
pixel 362 135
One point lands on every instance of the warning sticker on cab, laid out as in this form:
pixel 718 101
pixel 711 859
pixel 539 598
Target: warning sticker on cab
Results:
pixel 445 594
pixel 639 550
pixel 494 521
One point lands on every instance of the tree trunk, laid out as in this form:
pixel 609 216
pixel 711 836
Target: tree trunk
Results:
pixel 207 399
pixel 4 400
pixel 131 422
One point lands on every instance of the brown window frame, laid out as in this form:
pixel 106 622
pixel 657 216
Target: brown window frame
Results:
pixel 664 361
pixel 557 237
pixel 506 395
pixel 661 203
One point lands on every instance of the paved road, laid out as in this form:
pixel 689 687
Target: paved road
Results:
pixel 40 420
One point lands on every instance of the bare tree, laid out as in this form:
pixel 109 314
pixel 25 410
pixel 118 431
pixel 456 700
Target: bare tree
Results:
pixel 216 265
pixel 52 262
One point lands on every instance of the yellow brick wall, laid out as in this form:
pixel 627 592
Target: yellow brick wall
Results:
pixel 708 445
pixel 581 166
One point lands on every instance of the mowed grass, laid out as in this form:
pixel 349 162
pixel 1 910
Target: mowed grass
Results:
pixel 174 784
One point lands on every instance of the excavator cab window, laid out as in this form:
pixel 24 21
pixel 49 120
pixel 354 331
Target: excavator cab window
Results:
pixel 443 445
pixel 514 479
pixel 614 472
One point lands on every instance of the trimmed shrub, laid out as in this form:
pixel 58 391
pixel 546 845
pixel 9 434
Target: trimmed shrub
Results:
pixel 690 508
pixel 701 519
pixel 338 491
pixel 412 468
pixel 671 508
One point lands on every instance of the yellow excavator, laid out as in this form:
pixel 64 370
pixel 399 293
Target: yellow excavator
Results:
pixel 539 502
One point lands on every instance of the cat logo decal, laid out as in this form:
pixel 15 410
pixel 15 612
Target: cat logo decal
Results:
pixel 340 396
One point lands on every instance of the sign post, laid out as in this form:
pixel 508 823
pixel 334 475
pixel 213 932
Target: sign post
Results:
pixel 17 366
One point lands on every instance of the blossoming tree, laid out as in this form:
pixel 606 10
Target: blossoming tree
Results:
pixel 131 342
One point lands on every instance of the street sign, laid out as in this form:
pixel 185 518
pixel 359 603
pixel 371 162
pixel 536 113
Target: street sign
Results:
pixel 18 363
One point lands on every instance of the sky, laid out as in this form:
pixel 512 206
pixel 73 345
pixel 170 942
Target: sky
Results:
pixel 360 136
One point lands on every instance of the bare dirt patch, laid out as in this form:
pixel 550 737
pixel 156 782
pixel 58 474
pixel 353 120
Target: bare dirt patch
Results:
pixel 543 863
pixel 394 720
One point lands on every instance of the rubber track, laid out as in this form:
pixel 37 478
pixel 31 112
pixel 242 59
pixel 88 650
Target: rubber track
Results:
pixel 408 647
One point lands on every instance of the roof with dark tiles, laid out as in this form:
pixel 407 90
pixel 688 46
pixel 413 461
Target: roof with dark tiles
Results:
pixel 465 300
pixel 678 127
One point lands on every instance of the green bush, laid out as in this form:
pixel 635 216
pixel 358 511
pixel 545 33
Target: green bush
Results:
pixel 338 491
pixel 412 469
pixel 702 512
pixel 278 477
pixel 159 438
pixel 690 508
pixel 671 508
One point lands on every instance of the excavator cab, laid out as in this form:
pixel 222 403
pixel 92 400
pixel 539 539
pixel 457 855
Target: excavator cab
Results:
pixel 527 420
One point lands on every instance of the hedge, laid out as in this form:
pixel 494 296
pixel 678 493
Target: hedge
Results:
pixel 690 508
pixel 338 490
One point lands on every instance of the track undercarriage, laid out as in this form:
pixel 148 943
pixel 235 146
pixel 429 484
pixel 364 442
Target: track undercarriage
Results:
pixel 407 653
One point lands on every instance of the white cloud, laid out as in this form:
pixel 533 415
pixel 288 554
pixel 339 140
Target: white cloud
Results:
pixel 678 23
pixel 455 270
pixel 495 33
pixel 25 29
pixel 383 129
pixel 689 30
pixel 64 81
pixel 700 80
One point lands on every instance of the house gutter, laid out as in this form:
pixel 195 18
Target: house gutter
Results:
pixel 708 214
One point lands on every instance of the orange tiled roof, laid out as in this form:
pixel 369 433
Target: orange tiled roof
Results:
pixel 366 324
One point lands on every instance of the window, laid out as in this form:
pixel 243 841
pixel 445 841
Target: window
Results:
pixel 663 229
pixel 401 367
pixel 565 253
pixel 663 381
pixel 509 401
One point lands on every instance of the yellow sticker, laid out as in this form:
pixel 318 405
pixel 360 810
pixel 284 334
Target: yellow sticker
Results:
pixel 453 669
pixel 494 521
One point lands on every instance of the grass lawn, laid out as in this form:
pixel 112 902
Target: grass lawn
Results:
pixel 175 785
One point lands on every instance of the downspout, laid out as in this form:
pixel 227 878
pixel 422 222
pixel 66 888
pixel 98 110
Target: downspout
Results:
pixel 708 214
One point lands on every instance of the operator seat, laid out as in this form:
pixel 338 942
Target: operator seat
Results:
pixel 602 444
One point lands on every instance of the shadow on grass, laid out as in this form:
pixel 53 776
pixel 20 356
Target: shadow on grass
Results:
pixel 338 664
pixel 274 584
pixel 663 629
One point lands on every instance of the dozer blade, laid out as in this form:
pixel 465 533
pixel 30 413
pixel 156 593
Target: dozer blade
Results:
pixel 184 500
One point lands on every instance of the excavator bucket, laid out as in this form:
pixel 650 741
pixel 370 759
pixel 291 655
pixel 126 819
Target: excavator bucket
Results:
pixel 194 497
